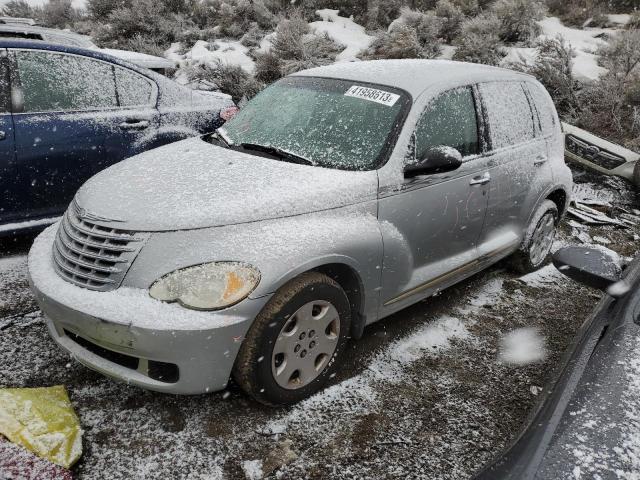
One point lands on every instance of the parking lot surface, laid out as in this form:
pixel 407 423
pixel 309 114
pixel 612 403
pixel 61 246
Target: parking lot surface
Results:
pixel 431 392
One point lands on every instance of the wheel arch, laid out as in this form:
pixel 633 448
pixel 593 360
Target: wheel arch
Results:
pixel 344 270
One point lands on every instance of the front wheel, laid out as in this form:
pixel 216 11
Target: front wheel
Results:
pixel 538 240
pixel 292 348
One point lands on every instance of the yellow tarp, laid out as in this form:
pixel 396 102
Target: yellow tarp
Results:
pixel 43 421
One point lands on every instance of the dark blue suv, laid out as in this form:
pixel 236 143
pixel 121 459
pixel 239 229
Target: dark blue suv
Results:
pixel 66 113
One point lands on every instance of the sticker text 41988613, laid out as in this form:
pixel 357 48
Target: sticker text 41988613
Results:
pixel 373 95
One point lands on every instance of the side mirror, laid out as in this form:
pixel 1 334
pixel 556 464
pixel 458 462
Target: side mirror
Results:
pixel 436 159
pixel 590 266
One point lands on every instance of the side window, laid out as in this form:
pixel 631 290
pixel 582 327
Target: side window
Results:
pixel 544 108
pixel 53 82
pixel 133 89
pixel 508 112
pixel 449 120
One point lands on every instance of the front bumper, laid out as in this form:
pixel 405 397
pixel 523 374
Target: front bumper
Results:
pixel 127 335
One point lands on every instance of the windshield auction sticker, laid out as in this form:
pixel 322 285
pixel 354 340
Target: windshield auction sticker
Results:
pixel 373 95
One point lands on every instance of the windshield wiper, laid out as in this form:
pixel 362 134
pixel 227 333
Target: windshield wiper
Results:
pixel 221 137
pixel 276 152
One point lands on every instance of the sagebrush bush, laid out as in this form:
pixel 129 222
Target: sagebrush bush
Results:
pixel 479 41
pixel 611 106
pixel 18 8
pixel 518 19
pixel 295 47
pixel 553 66
pixel 231 79
pixel 253 36
pixel 268 67
pixel 452 18
pixel 400 42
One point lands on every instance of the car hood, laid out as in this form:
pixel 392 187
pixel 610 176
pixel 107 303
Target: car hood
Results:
pixel 194 184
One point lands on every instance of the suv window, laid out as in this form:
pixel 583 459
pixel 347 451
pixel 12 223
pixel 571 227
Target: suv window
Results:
pixel 53 82
pixel 133 89
pixel 545 113
pixel 449 120
pixel 508 112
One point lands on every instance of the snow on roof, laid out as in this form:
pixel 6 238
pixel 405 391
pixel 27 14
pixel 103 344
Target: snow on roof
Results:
pixel 141 59
pixel 414 76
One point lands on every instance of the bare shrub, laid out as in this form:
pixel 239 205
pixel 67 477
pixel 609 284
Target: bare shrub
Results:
pixel 231 79
pixel 400 42
pixel 18 8
pixel 611 106
pixel 553 68
pixel 518 19
pixel 479 41
pixel 268 67
pixel 452 18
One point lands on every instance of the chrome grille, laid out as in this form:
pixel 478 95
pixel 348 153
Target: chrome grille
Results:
pixel 91 255
pixel 593 153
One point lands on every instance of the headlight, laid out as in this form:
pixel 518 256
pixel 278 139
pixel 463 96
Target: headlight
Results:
pixel 210 286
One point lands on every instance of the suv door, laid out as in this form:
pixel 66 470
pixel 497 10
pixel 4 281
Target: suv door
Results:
pixel 67 121
pixel 7 148
pixel 518 164
pixel 431 223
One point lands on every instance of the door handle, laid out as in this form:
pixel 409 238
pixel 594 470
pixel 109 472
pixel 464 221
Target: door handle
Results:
pixel 134 125
pixel 3 135
pixel 540 159
pixel 480 180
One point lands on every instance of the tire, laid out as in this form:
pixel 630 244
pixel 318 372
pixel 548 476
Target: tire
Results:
pixel 286 324
pixel 636 176
pixel 532 255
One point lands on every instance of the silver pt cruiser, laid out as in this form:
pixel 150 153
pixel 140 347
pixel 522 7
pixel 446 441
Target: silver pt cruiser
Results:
pixel 336 197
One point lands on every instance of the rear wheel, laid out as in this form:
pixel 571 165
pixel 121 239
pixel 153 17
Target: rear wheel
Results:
pixel 293 345
pixel 538 240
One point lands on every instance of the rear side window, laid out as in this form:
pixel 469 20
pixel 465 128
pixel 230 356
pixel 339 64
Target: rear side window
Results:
pixel 53 82
pixel 133 89
pixel 508 113
pixel 449 120
pixel 543 106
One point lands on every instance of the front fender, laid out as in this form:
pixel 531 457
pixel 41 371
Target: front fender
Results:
pixel 281 249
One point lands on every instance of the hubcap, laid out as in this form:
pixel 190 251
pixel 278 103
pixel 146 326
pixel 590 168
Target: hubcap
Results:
pixel 542 238
pixel 305 344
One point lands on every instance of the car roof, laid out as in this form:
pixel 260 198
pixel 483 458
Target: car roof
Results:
pixel 413 76
pixel 20 28
pixel 86 52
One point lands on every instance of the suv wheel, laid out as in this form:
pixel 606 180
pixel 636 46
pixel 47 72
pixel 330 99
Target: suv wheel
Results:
pixel 538 240
pixel 292 347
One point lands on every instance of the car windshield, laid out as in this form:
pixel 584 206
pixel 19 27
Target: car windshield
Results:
pixel 331 123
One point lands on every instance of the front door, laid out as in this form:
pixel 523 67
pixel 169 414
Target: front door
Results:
pixel 430 224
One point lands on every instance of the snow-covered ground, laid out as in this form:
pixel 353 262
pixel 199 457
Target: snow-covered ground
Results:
pixel 433 391
pixel 353 37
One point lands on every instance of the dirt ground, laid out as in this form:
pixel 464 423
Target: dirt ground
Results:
pixel 425 394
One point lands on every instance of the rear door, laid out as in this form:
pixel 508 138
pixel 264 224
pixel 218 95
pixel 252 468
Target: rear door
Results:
pixel 7 147
pixel 134 127
pixel 519 168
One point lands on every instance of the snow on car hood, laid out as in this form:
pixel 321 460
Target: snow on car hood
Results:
pixel 193 184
